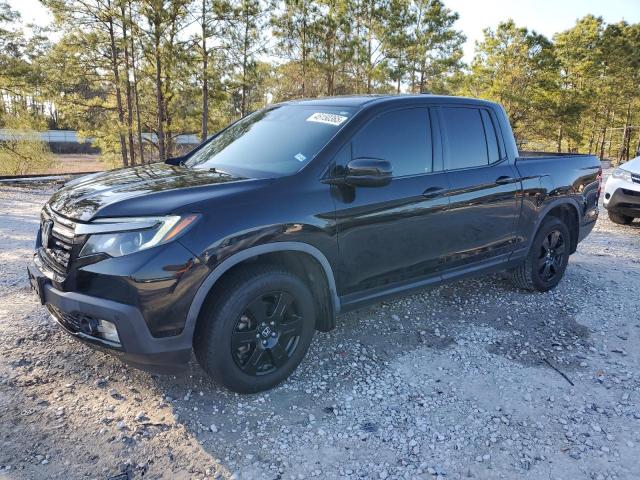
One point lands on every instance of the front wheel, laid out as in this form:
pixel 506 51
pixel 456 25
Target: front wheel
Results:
pixel 546 262
pixel 619 218
pixel 256 329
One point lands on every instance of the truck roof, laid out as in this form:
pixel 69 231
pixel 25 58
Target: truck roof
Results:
pixel 362 100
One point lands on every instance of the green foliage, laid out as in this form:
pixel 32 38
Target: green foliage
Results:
pixel 134 74
pixel 577 93
pixel 23 152
pixel 516 68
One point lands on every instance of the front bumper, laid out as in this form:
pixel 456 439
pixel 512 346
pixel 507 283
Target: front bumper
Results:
pixel 136 344
pixel 625 202
pixel 622 197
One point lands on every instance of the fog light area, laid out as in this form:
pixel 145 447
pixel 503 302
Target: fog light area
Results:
pixel 107 330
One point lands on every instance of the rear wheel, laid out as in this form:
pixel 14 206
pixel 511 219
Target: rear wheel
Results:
pixel 547 259
pixel 619 218
pixel 256 329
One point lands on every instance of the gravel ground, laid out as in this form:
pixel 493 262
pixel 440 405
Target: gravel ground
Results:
pixel 470 380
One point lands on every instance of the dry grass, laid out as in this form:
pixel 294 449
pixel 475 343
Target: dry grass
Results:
pixel 73 163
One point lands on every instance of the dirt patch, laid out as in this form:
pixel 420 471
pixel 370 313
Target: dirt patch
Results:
pixel 446 383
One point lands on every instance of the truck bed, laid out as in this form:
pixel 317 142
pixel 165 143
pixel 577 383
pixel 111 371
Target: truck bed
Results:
pixel 532 155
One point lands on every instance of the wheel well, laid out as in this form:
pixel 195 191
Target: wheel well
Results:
pixel 567 213
pixel 305 267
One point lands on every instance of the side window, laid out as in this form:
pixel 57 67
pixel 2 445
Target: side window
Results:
pixel 466 141
pixel 492 139
pixel 403 137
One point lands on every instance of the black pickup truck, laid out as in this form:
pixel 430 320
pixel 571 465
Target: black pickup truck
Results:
pixel 265 232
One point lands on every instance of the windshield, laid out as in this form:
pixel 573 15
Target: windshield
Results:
pixel 276 141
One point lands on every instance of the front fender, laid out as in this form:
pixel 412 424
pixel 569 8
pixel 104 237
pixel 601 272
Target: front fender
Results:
pixel 229 262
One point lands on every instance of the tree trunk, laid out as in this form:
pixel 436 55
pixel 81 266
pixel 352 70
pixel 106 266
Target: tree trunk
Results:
pixel 128 86
pixel 423 68
pixel 591 140
pixel 204 130
pixel 358 70
pixel 135 89
pixel 245 53
pixel 560 134
pixel 370 48
pixel 169 137
pixel 159 95
pixel 626 136
pixel 604 134
pixel 613 119
pixel 304 49
pixel 116 80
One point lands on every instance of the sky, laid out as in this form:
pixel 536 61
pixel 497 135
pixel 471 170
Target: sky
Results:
pixel 544 16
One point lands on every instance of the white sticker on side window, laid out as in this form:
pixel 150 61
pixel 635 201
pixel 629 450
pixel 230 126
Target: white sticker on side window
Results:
pixel 328 118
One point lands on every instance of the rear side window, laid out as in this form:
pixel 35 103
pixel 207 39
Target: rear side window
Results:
pixel 403 137
pixel 492 139
pixel 466 142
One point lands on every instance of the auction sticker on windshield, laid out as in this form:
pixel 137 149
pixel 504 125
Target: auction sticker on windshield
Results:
pixel 328 118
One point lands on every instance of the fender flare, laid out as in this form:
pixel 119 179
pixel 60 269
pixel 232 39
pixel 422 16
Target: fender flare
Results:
pixel 225 265
pixel 550 206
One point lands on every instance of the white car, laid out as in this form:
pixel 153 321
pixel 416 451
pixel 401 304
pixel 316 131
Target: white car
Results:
pixel 622 193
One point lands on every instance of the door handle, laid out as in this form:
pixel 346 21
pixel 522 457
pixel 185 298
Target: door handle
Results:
pixel 434 192
pixel 504 179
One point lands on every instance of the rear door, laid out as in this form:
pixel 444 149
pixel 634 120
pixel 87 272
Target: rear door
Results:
pixel 393 234
pixel 484 187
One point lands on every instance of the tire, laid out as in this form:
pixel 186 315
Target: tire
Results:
pixel 546 262
pixel 619 218
pixel 235 341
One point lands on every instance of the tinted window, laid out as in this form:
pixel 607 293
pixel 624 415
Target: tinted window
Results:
pixel 466 142
pixel 492 139
pixel 272 142
pixel 403 137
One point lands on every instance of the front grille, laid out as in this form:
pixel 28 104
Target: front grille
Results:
pixel 57 248
pixel 635 177
pixel 631 193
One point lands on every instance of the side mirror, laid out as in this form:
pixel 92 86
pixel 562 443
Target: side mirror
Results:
pixel 365 172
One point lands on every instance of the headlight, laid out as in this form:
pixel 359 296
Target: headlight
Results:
pixel 621 173
pixel 122 236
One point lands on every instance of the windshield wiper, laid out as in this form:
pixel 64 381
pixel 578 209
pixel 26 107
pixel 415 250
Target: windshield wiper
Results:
pixel 220 172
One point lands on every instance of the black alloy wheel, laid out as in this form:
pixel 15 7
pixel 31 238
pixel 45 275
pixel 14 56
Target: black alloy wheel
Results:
pixel 547 259
pixel 256 328
pixel 267 333
pixel 551 255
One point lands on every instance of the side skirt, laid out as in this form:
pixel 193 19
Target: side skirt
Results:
pixel 361 299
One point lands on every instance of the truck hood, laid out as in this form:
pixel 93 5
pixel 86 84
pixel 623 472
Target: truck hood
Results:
pixel 155 189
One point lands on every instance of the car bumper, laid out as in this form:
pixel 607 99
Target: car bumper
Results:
pixel 76 312
pixel 624 201
pixel 622 197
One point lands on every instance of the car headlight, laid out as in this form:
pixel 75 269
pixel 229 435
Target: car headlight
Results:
pixel 122 236
pixel 622 174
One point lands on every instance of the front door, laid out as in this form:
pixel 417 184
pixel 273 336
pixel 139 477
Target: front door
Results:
pixel 392 234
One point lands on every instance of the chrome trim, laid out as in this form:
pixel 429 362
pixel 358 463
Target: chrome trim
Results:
pixel 61 225
pixel 46 270
pixel 56 217
pixel 68 228
pixel 134 224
